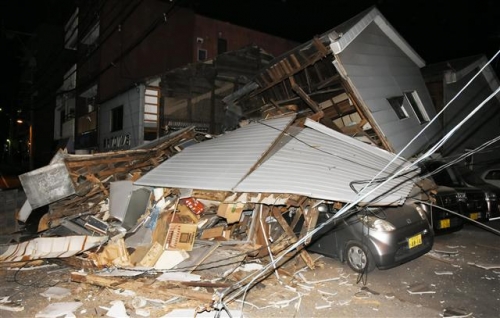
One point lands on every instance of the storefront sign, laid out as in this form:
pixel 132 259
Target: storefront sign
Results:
pixel 117 142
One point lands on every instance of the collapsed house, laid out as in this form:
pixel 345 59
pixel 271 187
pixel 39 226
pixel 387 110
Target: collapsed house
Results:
pixel 79 184
pixel 360 78
pixel 207 208
pixel 179 205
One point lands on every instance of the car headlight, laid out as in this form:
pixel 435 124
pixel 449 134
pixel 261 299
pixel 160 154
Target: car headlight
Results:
pixel 461 196
pixel 422 213
pixel 377 224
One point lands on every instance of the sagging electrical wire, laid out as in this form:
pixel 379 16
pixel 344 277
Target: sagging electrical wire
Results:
pixel 363 194
pixel 489 228
pixel 294 246
pixel 37 282
pixel 437 116
pixel 321 150
pixel 463 156
pixel 452 131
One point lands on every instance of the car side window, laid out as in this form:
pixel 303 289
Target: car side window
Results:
pixel 493 175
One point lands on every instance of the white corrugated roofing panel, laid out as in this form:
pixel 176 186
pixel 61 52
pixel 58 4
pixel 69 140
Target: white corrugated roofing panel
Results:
pixel 316 162
pixel 322 166
pixel 218 164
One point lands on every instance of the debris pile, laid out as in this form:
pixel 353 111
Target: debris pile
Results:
pixel 246 196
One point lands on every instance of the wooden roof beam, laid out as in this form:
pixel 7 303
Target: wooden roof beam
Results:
pixel 311 103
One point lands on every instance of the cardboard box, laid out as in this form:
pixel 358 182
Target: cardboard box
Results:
pixel 216 233
pixel 152 255
pixel 231 212
pixel 180 236
pixel 185 215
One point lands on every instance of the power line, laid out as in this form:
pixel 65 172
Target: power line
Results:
pixel 222 296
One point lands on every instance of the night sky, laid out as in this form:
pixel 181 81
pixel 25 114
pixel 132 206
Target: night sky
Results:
pixel 437 29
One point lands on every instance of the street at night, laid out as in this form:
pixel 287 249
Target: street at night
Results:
pixel 274 158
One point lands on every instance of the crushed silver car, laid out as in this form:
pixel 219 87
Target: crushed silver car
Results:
pixel 381 237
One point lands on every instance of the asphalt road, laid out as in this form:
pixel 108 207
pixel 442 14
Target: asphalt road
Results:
pixel 452 281
pixel 449 278
pixel 451 275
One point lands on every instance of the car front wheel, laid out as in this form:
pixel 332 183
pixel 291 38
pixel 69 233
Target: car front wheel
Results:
pixel 359 258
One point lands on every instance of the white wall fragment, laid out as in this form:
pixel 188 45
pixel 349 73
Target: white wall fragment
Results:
pixel 56 292
pixel 189 313
pixel 179 277
pixel 6 304
pixel 443 273
pixel 54 310
pixel 169 259
pixel 117 310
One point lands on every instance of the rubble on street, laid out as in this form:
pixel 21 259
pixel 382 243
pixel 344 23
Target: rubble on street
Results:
pixel 180 217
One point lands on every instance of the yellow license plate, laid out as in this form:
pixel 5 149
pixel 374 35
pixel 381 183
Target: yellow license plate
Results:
pixel 474 216
pixel 445 223
pixel 415 241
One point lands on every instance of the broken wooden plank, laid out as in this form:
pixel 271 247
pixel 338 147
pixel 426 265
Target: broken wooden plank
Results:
pixel 306 98
pixel 320 46
pixel 139 287
pixel 22 264
pixel 310 220
pixel 295 61
pixel 219 196
pixel 206 284
pixel 303 253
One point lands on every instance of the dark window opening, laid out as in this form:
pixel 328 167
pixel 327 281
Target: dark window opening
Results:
pixel 117 118
pixel 417 106
pixel 397 105
pixel 202 55
pixel 221 45
pixel 150 135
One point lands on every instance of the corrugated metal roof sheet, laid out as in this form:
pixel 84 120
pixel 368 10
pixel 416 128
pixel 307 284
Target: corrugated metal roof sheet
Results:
pixel 313 161
pixel 218 164
pixel 322 165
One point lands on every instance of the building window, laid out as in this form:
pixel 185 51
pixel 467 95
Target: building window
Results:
pixel 397 104
pixel 221 45
pixel 202 55
pixel 417 106
pixel 117 118
pixel 71 32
